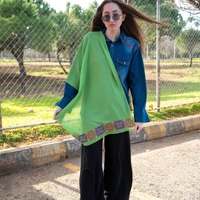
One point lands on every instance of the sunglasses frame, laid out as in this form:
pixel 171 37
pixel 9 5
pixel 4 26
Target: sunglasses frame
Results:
pixel 107 17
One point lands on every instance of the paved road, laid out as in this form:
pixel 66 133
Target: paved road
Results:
pixel 163 169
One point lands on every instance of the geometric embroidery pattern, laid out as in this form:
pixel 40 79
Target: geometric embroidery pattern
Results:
pixel 111 126
pixel 128 123
pixel 119 124
pixel 100 130
pixel 91 135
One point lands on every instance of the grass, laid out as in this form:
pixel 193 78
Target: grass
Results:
pixel 25 111
pixel 16 137
pixel 179 84
pixel 173 113
pixel 25 136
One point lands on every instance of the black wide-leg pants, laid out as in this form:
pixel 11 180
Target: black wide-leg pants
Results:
pixel 116 180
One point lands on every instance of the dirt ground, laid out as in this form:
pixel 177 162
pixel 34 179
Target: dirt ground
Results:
pixel 163 169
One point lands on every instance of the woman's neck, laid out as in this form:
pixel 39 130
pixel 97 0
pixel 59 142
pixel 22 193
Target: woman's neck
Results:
pixel 112 35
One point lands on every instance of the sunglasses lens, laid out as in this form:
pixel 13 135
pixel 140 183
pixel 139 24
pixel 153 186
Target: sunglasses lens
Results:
pixel 106 18
pixel 116 17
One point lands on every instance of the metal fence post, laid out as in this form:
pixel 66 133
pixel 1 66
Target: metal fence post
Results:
pixel 158 56
pixel 1 132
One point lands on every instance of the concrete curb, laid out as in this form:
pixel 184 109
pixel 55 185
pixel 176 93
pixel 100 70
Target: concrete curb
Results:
pixel 15 159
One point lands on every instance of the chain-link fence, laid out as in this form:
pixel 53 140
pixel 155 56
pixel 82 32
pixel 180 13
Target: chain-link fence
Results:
pixel 37 45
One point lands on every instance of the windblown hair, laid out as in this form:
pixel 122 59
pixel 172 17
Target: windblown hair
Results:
pixel 129 25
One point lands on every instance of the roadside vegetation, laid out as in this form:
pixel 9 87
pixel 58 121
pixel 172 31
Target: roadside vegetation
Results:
pixel 25 136
pixel 179 86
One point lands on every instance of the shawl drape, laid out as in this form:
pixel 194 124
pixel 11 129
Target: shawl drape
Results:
pixel 100 106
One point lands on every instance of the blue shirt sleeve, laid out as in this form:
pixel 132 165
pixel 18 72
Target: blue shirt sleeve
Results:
pixel 69 93
pixel 137 84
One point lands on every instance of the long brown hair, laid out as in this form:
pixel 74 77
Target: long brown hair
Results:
pixel 129 25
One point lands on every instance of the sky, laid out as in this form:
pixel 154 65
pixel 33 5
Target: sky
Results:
pixel 60 5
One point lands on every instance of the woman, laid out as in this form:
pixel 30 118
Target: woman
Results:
pixel 107 65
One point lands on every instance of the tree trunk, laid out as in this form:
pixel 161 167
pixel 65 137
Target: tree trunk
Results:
pixel 58 58
pixel 49 57
pixel 191 56
pixel 18 53
pixel 191 53
pixel 71 54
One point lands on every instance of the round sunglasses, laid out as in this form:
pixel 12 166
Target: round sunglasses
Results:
pixel 115 17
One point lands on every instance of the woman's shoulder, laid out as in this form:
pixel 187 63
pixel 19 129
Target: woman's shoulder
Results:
pixel 130 40
pixel 92 34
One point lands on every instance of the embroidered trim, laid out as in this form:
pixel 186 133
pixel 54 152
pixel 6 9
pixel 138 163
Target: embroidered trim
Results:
pixel 112 126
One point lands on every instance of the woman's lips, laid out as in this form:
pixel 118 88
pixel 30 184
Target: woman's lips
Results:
pixel 111 25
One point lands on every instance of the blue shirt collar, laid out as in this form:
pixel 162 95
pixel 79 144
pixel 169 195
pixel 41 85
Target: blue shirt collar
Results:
pixel 121 36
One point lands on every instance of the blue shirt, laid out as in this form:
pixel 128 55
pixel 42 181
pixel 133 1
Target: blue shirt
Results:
pixel 127 58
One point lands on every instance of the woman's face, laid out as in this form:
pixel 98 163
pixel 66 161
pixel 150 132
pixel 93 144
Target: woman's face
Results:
pixel 112 16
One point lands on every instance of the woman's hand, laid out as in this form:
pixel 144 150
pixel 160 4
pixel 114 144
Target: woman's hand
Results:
pixel 138 127
pixel 56 113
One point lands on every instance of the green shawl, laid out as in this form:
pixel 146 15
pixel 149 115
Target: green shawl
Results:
pixel 100 107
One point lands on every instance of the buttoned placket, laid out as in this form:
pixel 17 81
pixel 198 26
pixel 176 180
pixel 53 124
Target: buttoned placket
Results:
pixel 112 47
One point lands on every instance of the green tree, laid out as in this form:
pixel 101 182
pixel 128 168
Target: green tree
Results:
pixel 24 25
pixel 44 8
pixel 72 25
pixel 189 41
pixel 193 22
pixel 169 14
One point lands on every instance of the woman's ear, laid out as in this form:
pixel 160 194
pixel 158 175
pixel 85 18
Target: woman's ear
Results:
pixel 124 16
